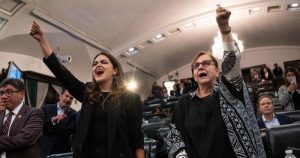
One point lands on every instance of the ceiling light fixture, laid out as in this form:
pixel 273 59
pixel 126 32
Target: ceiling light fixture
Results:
pixel 159 37
pixel 189 25
pixel 255 10
pixel 217 48
pixel 293 7
pixel 275 8
pixel 131 51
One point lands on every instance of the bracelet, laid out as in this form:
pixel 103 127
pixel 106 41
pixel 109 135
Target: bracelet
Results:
pixel 226 31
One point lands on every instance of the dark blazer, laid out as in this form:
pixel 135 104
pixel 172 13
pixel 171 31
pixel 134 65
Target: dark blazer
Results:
pixel 25 133
pixel 282 119
pixel 124 119
pixel 56 137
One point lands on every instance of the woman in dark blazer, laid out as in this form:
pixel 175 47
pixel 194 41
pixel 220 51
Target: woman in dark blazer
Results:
pixel 110 117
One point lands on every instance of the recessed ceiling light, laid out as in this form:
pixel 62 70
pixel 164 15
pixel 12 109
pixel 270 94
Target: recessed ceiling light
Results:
pixel 131 49
pixel 294 5
pixel 145 44
pixel 174 31
pixel 159 37
pixel 189 25
pixel 275 8
pixel 255 10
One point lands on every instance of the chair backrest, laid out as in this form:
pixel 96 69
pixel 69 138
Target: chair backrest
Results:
pixel 281 137
pixel 150 148
pixel 295 115
pixel 150 128
pixel 263 136
pixel 62 155
pixel 161 136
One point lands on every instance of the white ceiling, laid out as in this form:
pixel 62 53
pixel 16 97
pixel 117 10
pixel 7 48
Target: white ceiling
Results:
pixel 83 28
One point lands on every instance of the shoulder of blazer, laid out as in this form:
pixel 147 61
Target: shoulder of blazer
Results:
pixel 27 109
pixel 47 106
pixel 283 118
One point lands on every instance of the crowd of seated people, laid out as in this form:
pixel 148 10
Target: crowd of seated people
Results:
pixel 265 75
pixel 283 83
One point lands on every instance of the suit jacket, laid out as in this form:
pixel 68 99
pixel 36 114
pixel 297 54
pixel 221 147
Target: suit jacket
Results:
pixel 124 119
pixel 282 119
pixel 56 137
pixel 25 133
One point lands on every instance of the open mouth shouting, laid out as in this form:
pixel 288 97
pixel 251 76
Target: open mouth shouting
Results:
pixel 202 75
pixel 99 71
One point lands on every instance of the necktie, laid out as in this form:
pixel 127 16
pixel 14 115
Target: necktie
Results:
pixel 7 123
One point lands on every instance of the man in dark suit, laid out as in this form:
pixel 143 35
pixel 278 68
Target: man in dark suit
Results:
pixel 60 121
pixel 21 126
pixel 269 118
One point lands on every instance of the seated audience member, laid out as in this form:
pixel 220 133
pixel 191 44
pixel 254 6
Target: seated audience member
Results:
pixel 267 75
pixel 176 89
pixel 21 126
pixel 277 71
pixel 157 91
pixel 165 91
pixel 60 120
pixel 3 74
pixel 289 93
pixel 269 118
pixel 158 111
pixel 255 77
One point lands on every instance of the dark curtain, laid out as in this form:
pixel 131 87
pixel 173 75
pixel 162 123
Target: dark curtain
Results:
pixel 31 89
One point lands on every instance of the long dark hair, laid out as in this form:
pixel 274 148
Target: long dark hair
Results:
pixel 94 93
pixel 290 69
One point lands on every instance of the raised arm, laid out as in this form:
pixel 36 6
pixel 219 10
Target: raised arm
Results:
pixel 37 33
pixel 231 60
pixel 68 80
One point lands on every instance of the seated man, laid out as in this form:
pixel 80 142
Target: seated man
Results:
pixel 269 118
pixel 21 126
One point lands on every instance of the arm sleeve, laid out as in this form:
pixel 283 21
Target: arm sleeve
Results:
pixel 68 80
pixel 284 96
pixel 175 144
pixel 47 119
pixel 135 119
pixel 65 126
pixel 231 69
pixel 27 136
pixel 174 140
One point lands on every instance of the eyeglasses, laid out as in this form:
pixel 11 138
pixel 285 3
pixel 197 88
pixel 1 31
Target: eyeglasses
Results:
pixel 204 63
pixel 8 93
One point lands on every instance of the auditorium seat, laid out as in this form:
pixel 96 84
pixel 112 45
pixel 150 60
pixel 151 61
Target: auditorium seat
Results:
pixel 263 136
pixel 150 128
pixel 161 148
pixel 295 115
pixel 62 155
pixel 150 148
pixel 281 137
